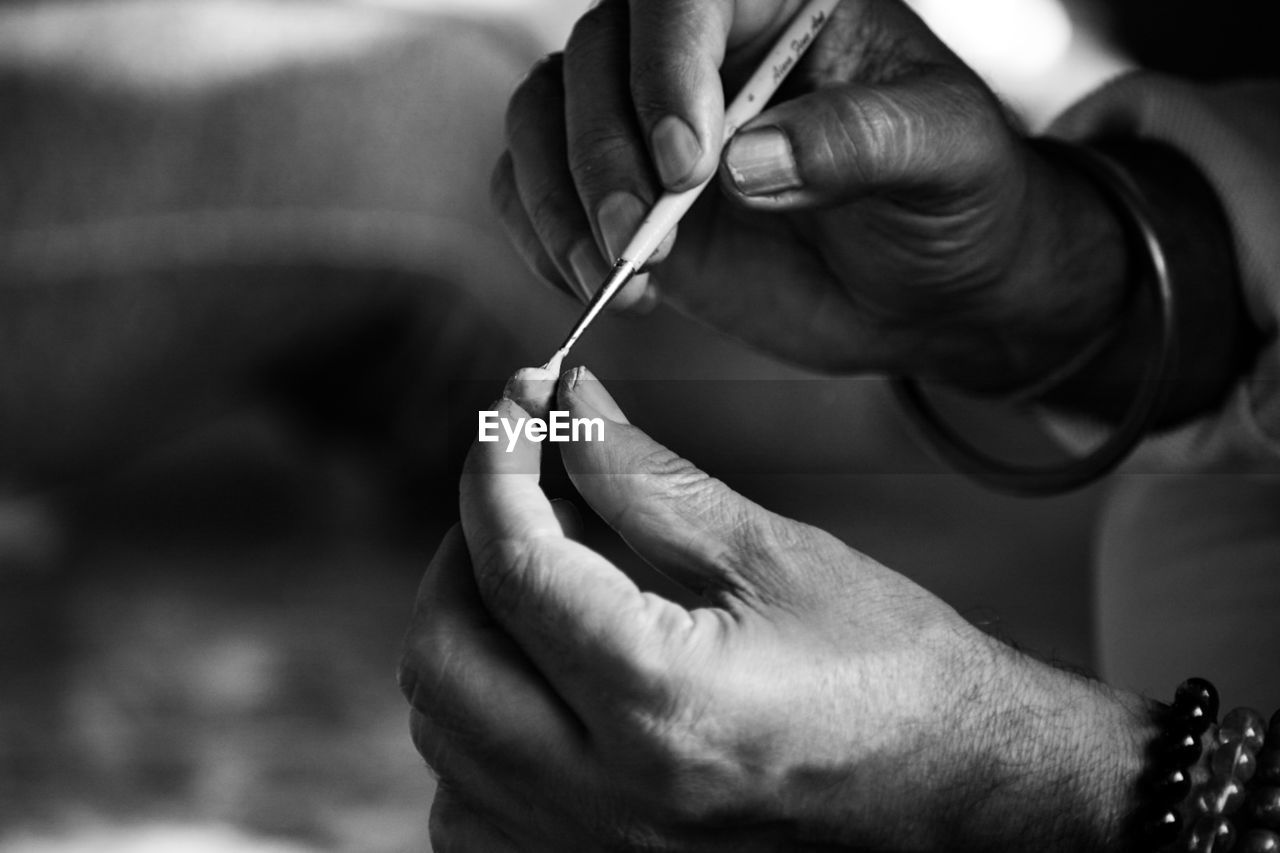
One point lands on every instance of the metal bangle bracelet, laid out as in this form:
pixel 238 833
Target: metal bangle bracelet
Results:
pixel 958 452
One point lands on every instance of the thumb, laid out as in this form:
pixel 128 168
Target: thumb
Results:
pixel 933 130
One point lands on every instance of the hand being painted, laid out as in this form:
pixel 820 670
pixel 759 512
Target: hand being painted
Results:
pixel 815 700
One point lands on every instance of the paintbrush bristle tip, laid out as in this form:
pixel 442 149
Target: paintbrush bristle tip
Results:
pixel 554 364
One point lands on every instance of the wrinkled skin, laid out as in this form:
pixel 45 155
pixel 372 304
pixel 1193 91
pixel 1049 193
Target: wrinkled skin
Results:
pixel 925 236
pixel 814 699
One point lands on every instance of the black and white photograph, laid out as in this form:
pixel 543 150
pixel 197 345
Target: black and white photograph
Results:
pixel 639 426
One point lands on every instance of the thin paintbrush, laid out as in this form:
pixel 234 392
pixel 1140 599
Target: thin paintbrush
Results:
pixel 667 212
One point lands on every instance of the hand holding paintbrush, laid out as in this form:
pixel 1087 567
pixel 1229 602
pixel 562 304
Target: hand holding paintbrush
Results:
pixel 885 217
pixel 666 214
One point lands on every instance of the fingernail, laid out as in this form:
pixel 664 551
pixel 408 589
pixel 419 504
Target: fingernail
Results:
pixel 761 162
pixel 506 406
pixel 676 150
pixel 587 388
pixel 619 216
pixel 588 268
pixel 531 388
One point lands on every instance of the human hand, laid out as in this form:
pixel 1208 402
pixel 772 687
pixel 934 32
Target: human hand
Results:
pixel 815 699
pixel 886 217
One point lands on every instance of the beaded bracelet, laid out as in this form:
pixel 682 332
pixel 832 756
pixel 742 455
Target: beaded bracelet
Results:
pixel 1211 788
pixel 1261 812
pixel 1173 756
pixel 1127 200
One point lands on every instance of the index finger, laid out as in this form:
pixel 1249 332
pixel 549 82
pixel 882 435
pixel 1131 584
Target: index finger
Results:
pixel 580 619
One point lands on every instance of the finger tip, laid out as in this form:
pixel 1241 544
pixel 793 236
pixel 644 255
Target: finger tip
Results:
pixel 566 386
pixel 679 153
pixel 531 389
pixel 502 443
pixel 532 374
pixel 698 174
pixel 555 363
pixel 647 301
pixel 581 390
pixel 632 295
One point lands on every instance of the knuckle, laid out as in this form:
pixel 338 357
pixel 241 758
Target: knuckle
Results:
pixel 698 494
pixel 407 674
pixel 540 88
pixel 755 547
pixel 682 481
pixel 859 138
pixel 594 149
pixel 672 484
pixel 599 23
pixel 764 548
pixel 657 76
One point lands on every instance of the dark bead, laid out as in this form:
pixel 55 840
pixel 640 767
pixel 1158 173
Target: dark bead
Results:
pixel 1176 749
pixel 1196 693
pixel 1259 841
pixel 1170 787
pixel 1221 797
pixel 1197 720
pixel 1212 835
pixel 1161 827
pixel 1269 766
pixel 1243 725
pixel 1234 759
pixel 1273 730
pixel 1263 808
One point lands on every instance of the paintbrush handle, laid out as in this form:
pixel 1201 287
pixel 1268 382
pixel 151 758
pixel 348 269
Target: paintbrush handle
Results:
pixel 667 212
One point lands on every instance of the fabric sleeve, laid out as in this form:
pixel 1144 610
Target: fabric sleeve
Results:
pixel 1232 133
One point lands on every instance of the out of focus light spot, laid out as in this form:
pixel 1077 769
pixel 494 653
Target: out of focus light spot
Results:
pixel 236 675
pixel 170 44
pixel 155 838
pixel 1001 37
pixel 550 20
pixel 1037 57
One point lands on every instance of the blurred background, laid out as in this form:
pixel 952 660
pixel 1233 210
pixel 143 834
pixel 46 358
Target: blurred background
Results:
pixel 252 297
